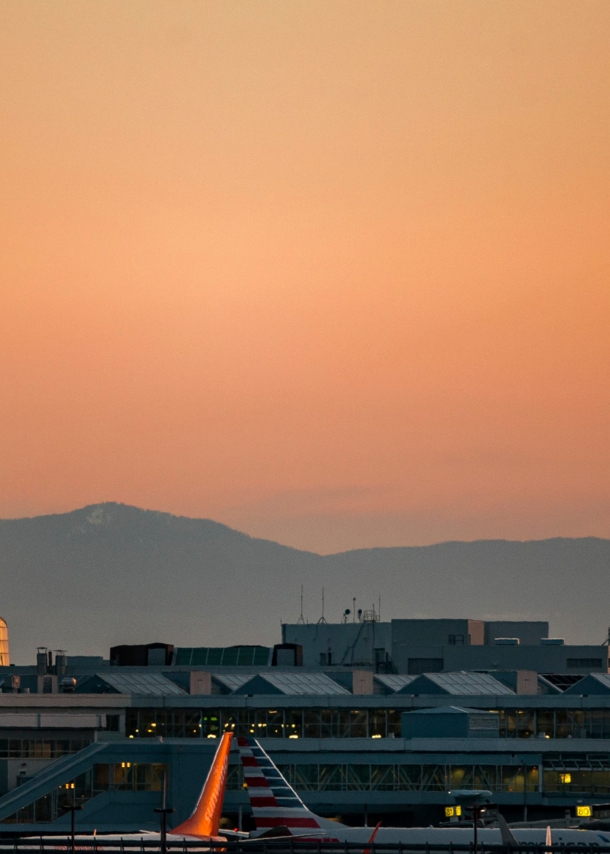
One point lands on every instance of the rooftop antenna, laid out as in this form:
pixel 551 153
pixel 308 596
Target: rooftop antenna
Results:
pixel 322 618
pixel 301 620
pixel 354 610
pixel 379 611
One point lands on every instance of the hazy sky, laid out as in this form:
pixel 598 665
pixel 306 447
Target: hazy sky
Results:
pixel 334 273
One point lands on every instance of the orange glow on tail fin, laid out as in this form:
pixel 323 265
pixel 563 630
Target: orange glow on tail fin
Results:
pixel 205 820
pixel 372 839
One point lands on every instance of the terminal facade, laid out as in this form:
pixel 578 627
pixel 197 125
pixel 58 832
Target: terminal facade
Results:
pixel 368 721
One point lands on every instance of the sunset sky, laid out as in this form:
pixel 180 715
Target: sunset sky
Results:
pixel 333 273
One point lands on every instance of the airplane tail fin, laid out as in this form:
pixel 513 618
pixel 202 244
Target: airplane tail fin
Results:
pixel 372 839
pixel 274 802
pixel 505 832
pixel 205 819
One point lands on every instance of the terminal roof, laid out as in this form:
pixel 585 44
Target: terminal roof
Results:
pixel 460 684
pixel 394 681
pixel 232 681
pixel 291 683
pixel 154 684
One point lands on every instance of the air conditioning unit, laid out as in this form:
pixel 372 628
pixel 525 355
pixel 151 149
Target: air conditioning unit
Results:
pixel 506 641
pixel 552 641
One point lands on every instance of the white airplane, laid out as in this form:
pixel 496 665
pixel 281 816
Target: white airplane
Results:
pixel 279 811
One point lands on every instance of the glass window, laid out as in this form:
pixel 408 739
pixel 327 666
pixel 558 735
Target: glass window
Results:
pixel 101 776
pixel 384 778
pixel 294 722
pixel 524 723
pixel 433 778
pixel 596 723
pixel 113 723
pixel 545 723
pixel 358 724
pixel 333 778
pixel 378 723
pixel 569 723
pixel 235 778
pixel 394 723
pixel 192 724
pixel 358 777
pixel 131 722
pixel 584 662
pixel 311 727
pixel 512 778
pixel 305 777
pixel 122 776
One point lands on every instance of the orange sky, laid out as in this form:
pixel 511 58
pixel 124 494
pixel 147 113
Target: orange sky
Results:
pixel 336 274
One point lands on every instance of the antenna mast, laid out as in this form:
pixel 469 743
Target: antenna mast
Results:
pixel 301 620
pixel 322 618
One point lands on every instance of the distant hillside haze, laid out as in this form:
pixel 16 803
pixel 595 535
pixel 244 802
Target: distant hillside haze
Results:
pixel 109 574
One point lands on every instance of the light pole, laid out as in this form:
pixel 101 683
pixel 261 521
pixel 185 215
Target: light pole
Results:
pixel 164 810
pixel 72 807
pixel 471 799
pixel 476 813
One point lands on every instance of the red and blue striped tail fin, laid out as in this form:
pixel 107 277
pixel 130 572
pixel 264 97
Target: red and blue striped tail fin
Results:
pixel 274 802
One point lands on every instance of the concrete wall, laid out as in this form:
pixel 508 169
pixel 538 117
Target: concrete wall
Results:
pixel 347 643
pixel 455 642
pixel 529 633
pixel 476 632
pixel 426 639
pixel 362 682
pixel 542 659
pixel 200 682
pixel 428 632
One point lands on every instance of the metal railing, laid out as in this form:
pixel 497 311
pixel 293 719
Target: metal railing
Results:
pixel 39 845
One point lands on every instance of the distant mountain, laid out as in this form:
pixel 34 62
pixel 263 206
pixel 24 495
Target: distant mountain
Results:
pixel 110 574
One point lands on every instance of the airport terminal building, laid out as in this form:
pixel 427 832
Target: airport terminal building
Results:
pixel 368 721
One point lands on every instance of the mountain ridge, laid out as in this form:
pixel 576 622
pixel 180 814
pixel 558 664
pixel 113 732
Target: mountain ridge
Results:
pixel 163 514
pixel 112 573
